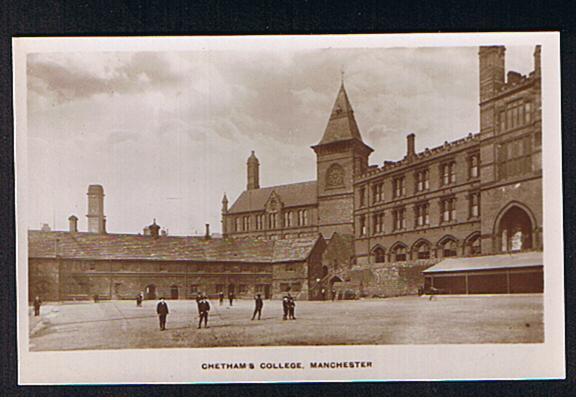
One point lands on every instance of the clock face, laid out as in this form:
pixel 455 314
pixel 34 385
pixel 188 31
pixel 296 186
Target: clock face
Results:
pixel 335 176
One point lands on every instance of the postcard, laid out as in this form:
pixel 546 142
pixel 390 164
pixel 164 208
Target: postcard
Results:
pixel 289 208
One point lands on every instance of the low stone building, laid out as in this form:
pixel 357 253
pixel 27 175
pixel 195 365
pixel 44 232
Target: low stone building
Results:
pixel 79 265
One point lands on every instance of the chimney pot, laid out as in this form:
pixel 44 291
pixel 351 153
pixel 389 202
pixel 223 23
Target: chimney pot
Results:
pixel 207 234
pixel 73 223
pixel 411 146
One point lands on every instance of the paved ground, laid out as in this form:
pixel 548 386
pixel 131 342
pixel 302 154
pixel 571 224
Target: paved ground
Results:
pixel 402 320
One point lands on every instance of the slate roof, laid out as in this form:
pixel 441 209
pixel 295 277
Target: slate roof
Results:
pixel 92 246
pixel 342 124
pixel 291 195
pixel 499 261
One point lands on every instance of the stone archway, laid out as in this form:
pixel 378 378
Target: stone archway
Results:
pixel 515 230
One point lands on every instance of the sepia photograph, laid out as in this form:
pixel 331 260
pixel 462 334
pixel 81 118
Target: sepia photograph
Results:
pixel 255 206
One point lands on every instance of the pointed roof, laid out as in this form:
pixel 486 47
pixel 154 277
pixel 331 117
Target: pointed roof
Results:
pixel 341 125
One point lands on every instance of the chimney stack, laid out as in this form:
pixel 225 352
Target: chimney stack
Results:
pixel 253 172
pixel 154 230
pixel 73 223
pixel 96 219
pixel 411 146
pixel 45 228
pixel 207 234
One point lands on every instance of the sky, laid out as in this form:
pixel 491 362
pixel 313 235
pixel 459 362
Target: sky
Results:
pixel 168 133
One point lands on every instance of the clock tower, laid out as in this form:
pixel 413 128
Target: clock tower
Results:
pixel 340 156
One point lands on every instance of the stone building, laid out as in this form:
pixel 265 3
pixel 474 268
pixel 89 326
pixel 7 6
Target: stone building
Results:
pixel 79 265
pixel 478 195
pixel 302 209
pixel 367 229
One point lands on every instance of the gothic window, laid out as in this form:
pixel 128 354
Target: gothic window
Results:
pixel 246 223
pixel 422 251
pixel 449 248
pixel 515 230
pixel 399 253
pixel 288 219
pixel 421 214
pixel 514 158
pixel 260 222
pixel 516 114
pixel 473 166
pixel 474 204
pixel 473 246
pixel 237 224
pixel 362 225
pixel 335 176
pixel 362 196
pixel 448 173
pixel 377 192
pixel 398 187
pixel 448 209
pixel 378 223
pixel 422 180
pixel 379 255
pixel 399 219
pixel 272 221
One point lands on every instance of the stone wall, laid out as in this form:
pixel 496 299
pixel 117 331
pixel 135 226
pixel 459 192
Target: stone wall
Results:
pixel 389 279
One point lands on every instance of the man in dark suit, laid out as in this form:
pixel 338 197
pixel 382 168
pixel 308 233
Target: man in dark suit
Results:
pixel 162 311
pixel 203 308
pixel 231 298
pixel 259 304
pixel 37 303
pixel 221 298
pixel 291 307
pixel 285 306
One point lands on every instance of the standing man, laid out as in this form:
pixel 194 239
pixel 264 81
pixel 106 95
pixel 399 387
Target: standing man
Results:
pixel 162 311
pixel 285 306
pixel 291 307
pixel 139 300
pixel 259 304
pixel 333 294
pixel 221 298
pixel 203 308
pixel 231 298
pixel 37 303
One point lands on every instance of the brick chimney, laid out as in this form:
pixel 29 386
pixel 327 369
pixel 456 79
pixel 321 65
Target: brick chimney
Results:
pixel 73 223
pixel 207 234
pixel 410 146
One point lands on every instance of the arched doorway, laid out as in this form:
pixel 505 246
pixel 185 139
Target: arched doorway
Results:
pixel 174 292
pixel 150 292
pixel 515 230
pixel 379 255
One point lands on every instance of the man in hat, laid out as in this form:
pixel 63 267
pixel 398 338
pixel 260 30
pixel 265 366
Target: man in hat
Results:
pixel 259 304
pixel 285 306
pixel 291 307
pixel 162 311
pixel 203 308
pixel 221 298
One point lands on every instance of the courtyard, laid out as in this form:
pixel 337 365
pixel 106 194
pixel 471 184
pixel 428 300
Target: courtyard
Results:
pixel 399 320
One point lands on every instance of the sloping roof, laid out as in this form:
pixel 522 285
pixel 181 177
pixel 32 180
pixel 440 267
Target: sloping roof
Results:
pixel 165 248
pixel 499 261
pixel 292 195
pixel 341 125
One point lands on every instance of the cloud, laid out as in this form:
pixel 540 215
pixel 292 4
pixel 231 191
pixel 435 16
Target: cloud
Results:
pixel 65 79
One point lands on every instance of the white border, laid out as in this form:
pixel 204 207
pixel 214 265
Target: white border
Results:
pixel 391 362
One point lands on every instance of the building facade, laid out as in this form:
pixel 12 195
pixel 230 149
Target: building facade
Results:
pixel 368 229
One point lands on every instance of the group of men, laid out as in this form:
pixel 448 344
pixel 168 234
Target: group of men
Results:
pixel 288 305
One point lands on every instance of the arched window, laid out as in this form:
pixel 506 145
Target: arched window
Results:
pixel 399 252
pixel 449 248
pixel 422 250
pixel 515 230
pixel 473 245
pixel 379 255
